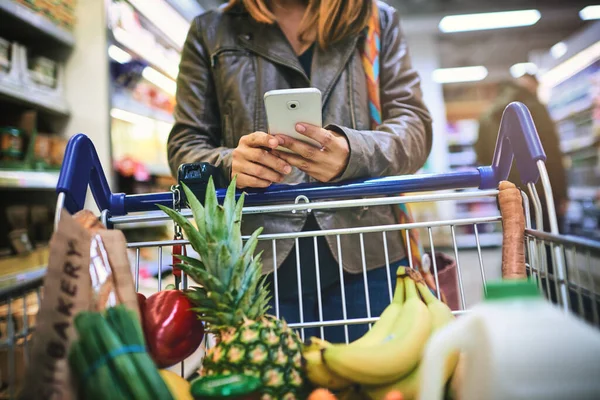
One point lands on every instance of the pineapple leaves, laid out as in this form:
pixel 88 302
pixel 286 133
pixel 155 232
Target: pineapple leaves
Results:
pixel 234 226
pixel 197 209
pixel 210 282
pixel 197 240
pixel 229 204
pixel 249 284
pixel 231 286
pixel 236 278
pixel 192 262
pixel 224 261
pixel 250 245
pixel 210 205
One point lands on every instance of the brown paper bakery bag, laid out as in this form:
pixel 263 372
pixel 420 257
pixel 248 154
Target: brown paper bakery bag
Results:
pixel 67 291
pixel 120 278
pixel 88 270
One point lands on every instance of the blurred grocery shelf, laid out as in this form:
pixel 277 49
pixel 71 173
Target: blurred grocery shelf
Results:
pixel 13 13
pixel 580 143
pixel 23 267
pixel 127 103
pixel 37 99
pixel 583 192
pixel 28 179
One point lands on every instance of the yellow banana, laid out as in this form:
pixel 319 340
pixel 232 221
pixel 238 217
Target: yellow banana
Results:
pixel 316 371
pixel 441 315
pixel 390 360
pixel 383 327
pixel 320 375
pixel 316 343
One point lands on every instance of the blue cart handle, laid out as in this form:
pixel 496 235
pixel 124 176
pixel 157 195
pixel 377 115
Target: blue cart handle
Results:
pixel 81 167
pixel 517 138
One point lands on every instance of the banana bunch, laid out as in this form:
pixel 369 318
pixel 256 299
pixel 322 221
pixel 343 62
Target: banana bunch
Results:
pixel 387 357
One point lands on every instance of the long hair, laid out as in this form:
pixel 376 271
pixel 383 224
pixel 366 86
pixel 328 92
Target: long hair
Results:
pixel 331 20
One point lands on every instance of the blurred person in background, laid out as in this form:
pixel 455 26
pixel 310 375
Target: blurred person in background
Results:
pixel 524 89
pixel 231 58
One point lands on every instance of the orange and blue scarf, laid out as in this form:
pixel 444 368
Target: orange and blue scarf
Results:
pixel 370 61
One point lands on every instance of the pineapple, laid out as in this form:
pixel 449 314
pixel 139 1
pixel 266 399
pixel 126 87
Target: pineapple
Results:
pixel 232 299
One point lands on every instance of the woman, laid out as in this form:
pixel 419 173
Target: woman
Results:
pixel 234 55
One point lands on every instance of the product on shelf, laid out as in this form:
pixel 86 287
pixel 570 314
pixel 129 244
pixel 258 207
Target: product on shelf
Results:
pixel 18 234
pixel 4 55
pixel 11 143
pixel 57 153
pixel 42 150
pixel 59 12
pixel 43 71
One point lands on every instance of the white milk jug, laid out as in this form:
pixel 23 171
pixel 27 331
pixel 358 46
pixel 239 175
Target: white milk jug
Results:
pixel 516 346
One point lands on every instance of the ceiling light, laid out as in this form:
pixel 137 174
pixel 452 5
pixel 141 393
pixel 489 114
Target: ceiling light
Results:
pixel 165 18
pixel 482 21
pixel 521 69
pixel 118 54
pixel 558 50
pixel 165 83
pixel 463 74
pixel 590 12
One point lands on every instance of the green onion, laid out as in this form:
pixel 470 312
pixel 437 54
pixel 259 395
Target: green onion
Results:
pixel 109 360
pixel 124 322
pixel 102 382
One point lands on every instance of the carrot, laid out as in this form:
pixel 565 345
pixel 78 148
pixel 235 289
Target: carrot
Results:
pixel 513 236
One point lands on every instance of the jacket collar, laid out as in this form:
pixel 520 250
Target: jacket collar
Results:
pixel 269 42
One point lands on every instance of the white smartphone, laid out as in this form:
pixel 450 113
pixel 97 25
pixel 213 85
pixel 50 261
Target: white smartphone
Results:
pixel 288 107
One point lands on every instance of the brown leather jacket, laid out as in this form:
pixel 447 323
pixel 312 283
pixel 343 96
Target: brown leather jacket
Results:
pixel 229 61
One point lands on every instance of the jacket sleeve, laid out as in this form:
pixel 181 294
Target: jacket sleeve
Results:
pixel 401 144
pixel 196 134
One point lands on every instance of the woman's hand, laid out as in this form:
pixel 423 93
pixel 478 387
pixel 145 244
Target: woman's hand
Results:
pixel 254 165
pixel 325 163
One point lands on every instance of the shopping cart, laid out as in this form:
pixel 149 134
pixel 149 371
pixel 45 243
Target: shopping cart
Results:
pixel 564 267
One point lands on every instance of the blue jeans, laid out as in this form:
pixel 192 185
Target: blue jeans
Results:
pixel 331 296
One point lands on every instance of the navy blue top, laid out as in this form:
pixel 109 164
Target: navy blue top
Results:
pixel 306 59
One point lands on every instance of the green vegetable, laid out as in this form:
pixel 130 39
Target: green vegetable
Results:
pixel 124 322
pixel 109 360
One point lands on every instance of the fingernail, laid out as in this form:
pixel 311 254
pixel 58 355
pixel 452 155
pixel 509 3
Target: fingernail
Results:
pixel 287 169
pixel 300 128
pixel 273 142
pixel 281 139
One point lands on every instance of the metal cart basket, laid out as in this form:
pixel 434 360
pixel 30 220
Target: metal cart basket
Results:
pixel 565 268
